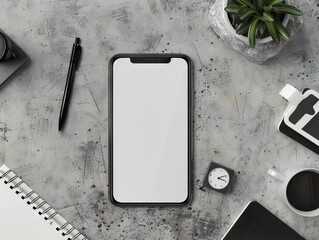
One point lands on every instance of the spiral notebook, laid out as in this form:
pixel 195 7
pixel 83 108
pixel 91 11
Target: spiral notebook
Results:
pixel 25 215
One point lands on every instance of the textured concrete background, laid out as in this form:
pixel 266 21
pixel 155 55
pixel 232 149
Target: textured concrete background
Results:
pixel 237 108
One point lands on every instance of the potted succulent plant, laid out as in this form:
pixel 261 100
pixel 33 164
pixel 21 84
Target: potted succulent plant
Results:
pixel 259 21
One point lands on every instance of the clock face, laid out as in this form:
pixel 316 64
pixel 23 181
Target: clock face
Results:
pixel 218 178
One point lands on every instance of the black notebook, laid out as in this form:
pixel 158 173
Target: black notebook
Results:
pixel 257 223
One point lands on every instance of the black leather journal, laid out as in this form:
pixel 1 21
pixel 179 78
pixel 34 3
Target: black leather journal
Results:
pixel 257 223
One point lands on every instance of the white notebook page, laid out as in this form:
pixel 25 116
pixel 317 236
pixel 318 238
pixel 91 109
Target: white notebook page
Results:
pixel 18 220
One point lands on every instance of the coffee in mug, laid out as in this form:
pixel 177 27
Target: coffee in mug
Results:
pixel 303 191
pixel 300 190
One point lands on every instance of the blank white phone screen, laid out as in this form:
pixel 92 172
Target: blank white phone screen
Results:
pixel 150 131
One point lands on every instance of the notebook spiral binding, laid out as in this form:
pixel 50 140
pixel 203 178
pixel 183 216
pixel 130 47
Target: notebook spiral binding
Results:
pixel 41 205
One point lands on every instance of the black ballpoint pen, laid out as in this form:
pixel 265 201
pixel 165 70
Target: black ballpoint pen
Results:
pixel 74 63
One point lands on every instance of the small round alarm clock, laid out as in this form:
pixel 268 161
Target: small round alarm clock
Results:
pixel 218 177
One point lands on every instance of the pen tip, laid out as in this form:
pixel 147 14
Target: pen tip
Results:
pixel 77 40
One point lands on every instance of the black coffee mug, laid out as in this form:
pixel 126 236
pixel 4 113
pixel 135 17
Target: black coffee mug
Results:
pixel 300 190
pixel 5 51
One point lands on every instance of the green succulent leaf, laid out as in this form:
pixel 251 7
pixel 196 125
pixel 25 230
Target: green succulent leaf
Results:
pixel 242 9
pixel 282 30
pixel 268 16
pixel 252 32
pixel 262 28
pixel 248 3
pixel 283 8
pixel 274 2
pixel 272 29
pixel 247 13
pixel 233 9
pixel 239 2
pixel 267 8
pixel 259 4
pixel 243 30
pixel 244 27
pixel 260 18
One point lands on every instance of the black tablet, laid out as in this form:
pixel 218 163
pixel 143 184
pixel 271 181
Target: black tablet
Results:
pixel 257 223
pixel 150 129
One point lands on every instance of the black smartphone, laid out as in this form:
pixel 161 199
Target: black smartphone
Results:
pixel 150 129
pixel 257 223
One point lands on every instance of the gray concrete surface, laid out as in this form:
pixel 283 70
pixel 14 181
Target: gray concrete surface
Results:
pixel 237 108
